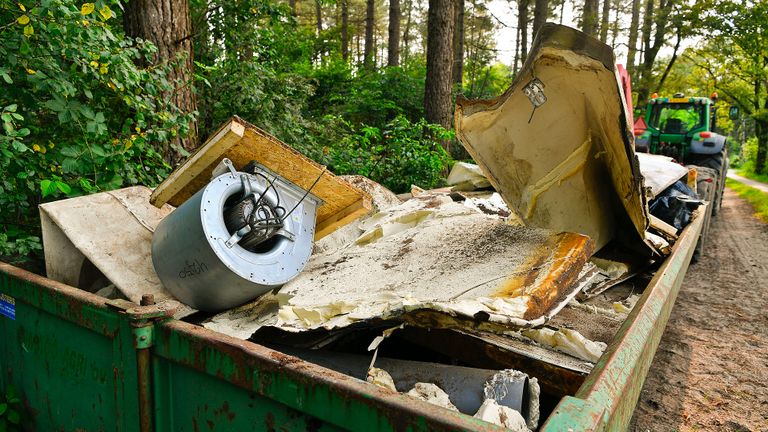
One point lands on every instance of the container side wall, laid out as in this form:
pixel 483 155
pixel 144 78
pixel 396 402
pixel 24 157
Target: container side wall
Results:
pixel 187 400
pixel 202 376
pixel 70 358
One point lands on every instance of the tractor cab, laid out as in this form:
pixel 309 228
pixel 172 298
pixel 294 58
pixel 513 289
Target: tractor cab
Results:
pixel 677 126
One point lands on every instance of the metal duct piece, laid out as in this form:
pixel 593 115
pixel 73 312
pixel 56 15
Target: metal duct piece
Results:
pixel 242 235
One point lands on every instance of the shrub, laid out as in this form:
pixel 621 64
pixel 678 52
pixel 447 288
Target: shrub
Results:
pixel 78 114
pixel 399 155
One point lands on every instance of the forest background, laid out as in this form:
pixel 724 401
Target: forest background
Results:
pixel 97 96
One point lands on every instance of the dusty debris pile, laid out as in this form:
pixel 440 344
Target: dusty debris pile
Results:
pixel 504 286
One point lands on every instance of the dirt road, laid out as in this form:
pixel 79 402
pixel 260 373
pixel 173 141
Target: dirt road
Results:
pixel 711 370
pixel 749 182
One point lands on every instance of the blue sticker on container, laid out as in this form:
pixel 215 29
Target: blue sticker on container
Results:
pixel 7 306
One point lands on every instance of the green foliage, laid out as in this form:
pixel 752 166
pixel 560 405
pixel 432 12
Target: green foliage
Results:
pixel 78 114
pixel 399 155
pixel 489 81
pixel 734 149
pixel 372 98
pixel 748 157
pixel 252 61
pixel 737 30
pixel 256 62
pixel 10 410
pixel 274 101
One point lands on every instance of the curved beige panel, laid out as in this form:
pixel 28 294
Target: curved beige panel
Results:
pixel 556 145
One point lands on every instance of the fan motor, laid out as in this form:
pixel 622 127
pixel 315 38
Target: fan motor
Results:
pixel 242 235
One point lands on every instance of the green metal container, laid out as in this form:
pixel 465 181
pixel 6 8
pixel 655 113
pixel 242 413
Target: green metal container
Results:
pixel 84 363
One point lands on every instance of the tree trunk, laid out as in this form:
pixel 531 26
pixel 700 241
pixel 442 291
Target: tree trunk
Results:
pixel 407 32
pixel 651 47
pixel 292 5
pixel 358 50
pixel 393 49
pixel 589 17
pixel 319 17
pixel 761 130
pixel 458 44
pixel 345 30
pixel 369 17
pixel 615 24
pixel 671 60
pixel 166 24
pixel 471 54
pixel 437 89
pixel 522 24
pixel 640 73
pixel 540 11
pixel 604 21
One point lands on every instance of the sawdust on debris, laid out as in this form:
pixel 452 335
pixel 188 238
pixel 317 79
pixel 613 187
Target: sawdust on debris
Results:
pixel 450 258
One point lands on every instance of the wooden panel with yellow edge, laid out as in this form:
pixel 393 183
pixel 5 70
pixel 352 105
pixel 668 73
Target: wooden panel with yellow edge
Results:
pixel 243 142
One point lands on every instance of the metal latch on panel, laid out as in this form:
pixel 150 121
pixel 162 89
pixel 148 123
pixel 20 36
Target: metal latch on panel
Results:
pixel 245 233
pixel 535 92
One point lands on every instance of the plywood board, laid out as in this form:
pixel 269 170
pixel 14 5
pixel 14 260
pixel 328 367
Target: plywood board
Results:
pixel 243 142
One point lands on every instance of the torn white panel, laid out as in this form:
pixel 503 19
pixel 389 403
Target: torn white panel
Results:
pixel 467 177
pixel 491 412
pixel 493 205
pixel 111 230
pixel 382 197
pixel 567 341
pixel 446 258
pixel 625 306
pixel 433 394
pixel 658 242
pixel 556 145
pixel 659 172
pixel 381 378
pixel 245 320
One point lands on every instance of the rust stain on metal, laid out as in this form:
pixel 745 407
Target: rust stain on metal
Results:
pixel 269 422
pixel 546 275
pixel 143 369
pixel 224 411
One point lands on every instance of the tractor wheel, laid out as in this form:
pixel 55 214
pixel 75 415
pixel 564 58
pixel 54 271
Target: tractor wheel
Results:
pixel 719 163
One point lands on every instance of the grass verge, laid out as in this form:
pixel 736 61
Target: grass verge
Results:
pixel 758 199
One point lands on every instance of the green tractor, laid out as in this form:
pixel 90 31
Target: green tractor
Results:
pixel 684 129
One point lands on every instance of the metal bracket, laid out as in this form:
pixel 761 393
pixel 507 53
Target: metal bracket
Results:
pixel 164 309
pixel 143 337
